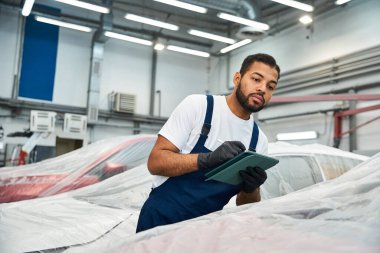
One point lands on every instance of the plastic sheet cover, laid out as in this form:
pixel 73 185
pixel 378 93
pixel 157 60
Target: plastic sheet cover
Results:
pixel 302 166
pixel 340 215
pixel 85 166
pixel 102 217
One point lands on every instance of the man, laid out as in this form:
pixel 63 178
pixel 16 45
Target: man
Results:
pixel 199 124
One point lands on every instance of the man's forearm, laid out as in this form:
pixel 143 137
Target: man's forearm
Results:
pixel 168 163
pixel 246 198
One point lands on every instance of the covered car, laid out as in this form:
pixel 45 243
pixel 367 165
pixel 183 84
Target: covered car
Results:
pixel 303 165
pixel 85 166
pixel 339 215
pixel 100 216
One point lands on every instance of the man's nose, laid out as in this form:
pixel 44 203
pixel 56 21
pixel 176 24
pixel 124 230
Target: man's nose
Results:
pixel 261 87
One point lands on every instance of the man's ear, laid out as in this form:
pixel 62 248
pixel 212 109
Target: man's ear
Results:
pixel 237 78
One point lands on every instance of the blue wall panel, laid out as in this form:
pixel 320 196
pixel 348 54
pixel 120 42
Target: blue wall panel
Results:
pixel 38 60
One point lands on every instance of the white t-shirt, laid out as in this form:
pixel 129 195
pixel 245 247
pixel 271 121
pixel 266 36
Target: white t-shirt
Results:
pixel 184 126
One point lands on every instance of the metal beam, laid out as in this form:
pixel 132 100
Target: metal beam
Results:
pixel 97 54
pixel 338 116
pixel 319 98
pixel 358 110
pixel 153 82
pixel 16 105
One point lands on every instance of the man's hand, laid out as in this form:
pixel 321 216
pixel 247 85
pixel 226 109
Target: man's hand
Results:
pixel 224 152
pixel 253 177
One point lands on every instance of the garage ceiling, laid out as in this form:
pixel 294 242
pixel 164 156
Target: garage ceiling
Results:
pixel 278 16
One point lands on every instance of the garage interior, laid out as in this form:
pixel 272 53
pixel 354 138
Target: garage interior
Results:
pixel 76 72
pixel 124 88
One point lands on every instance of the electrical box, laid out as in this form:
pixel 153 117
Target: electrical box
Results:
pixel 75 124
pixel 42 121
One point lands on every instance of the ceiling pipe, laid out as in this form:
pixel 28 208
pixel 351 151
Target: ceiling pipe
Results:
pixel 243 8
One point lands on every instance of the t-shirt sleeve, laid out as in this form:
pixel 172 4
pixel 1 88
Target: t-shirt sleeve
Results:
pixel 178 127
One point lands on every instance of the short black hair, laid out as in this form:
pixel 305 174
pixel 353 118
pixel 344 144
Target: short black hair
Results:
pixel 264 58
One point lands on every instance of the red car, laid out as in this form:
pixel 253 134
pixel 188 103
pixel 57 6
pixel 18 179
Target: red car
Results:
pixel 79 168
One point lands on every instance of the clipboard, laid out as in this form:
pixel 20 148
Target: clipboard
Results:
pixel 228 172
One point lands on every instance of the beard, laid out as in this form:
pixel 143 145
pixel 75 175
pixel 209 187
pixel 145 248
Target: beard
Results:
pixel 244 100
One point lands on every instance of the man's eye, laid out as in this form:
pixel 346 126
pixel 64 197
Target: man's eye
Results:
pixel 270 87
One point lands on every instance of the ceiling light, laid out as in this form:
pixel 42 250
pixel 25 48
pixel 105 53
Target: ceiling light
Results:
pixel 188 51
pixel 307 135
pixel 128 38
pixel 85 5
pixel 295 4
pixel 211 36
pixel 159 46
pixel 234 46
pixel 306 19
pixel 28 5
pixel 151 22
pixel 244 21
pixel 63 24
pixel 339 2
pixel 183 5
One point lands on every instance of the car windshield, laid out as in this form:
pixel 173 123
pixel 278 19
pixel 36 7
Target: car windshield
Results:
pixel 290 174
pixel 334 166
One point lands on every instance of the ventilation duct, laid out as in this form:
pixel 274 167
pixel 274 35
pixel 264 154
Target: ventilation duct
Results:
pixel 249 32
pixel 242 8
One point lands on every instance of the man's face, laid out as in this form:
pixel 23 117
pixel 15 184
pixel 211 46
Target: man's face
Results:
pixel 255 88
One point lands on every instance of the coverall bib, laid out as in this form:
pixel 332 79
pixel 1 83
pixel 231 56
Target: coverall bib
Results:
pixel 188 196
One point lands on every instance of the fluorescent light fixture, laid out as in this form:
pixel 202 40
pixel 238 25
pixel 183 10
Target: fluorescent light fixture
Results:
pixel 188 51
pixel 339 2
pixel 159 46
pixel 128 38
pixel 211 36
pixel 151 22
pixel 244 21
pixel 85 5
pixel 306 19
pixel 63 24
pixel 296 4
pixel 236 45
pixel 28 5
pixel 307 135
pixel 183 5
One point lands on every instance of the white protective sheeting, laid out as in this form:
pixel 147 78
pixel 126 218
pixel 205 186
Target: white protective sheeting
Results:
pixel 341 215
pixel 85 166
pixel 75 217
pixel 99 216
pixel 302 166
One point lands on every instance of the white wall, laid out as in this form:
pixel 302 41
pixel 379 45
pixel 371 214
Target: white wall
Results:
pixel 220 78
pixel 179 75
pixel 352 28
pixel 73 66
pixel 369 134
pixel 126 68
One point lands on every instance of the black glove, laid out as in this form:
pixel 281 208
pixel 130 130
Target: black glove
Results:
pixel 252 177
pixel 224 152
